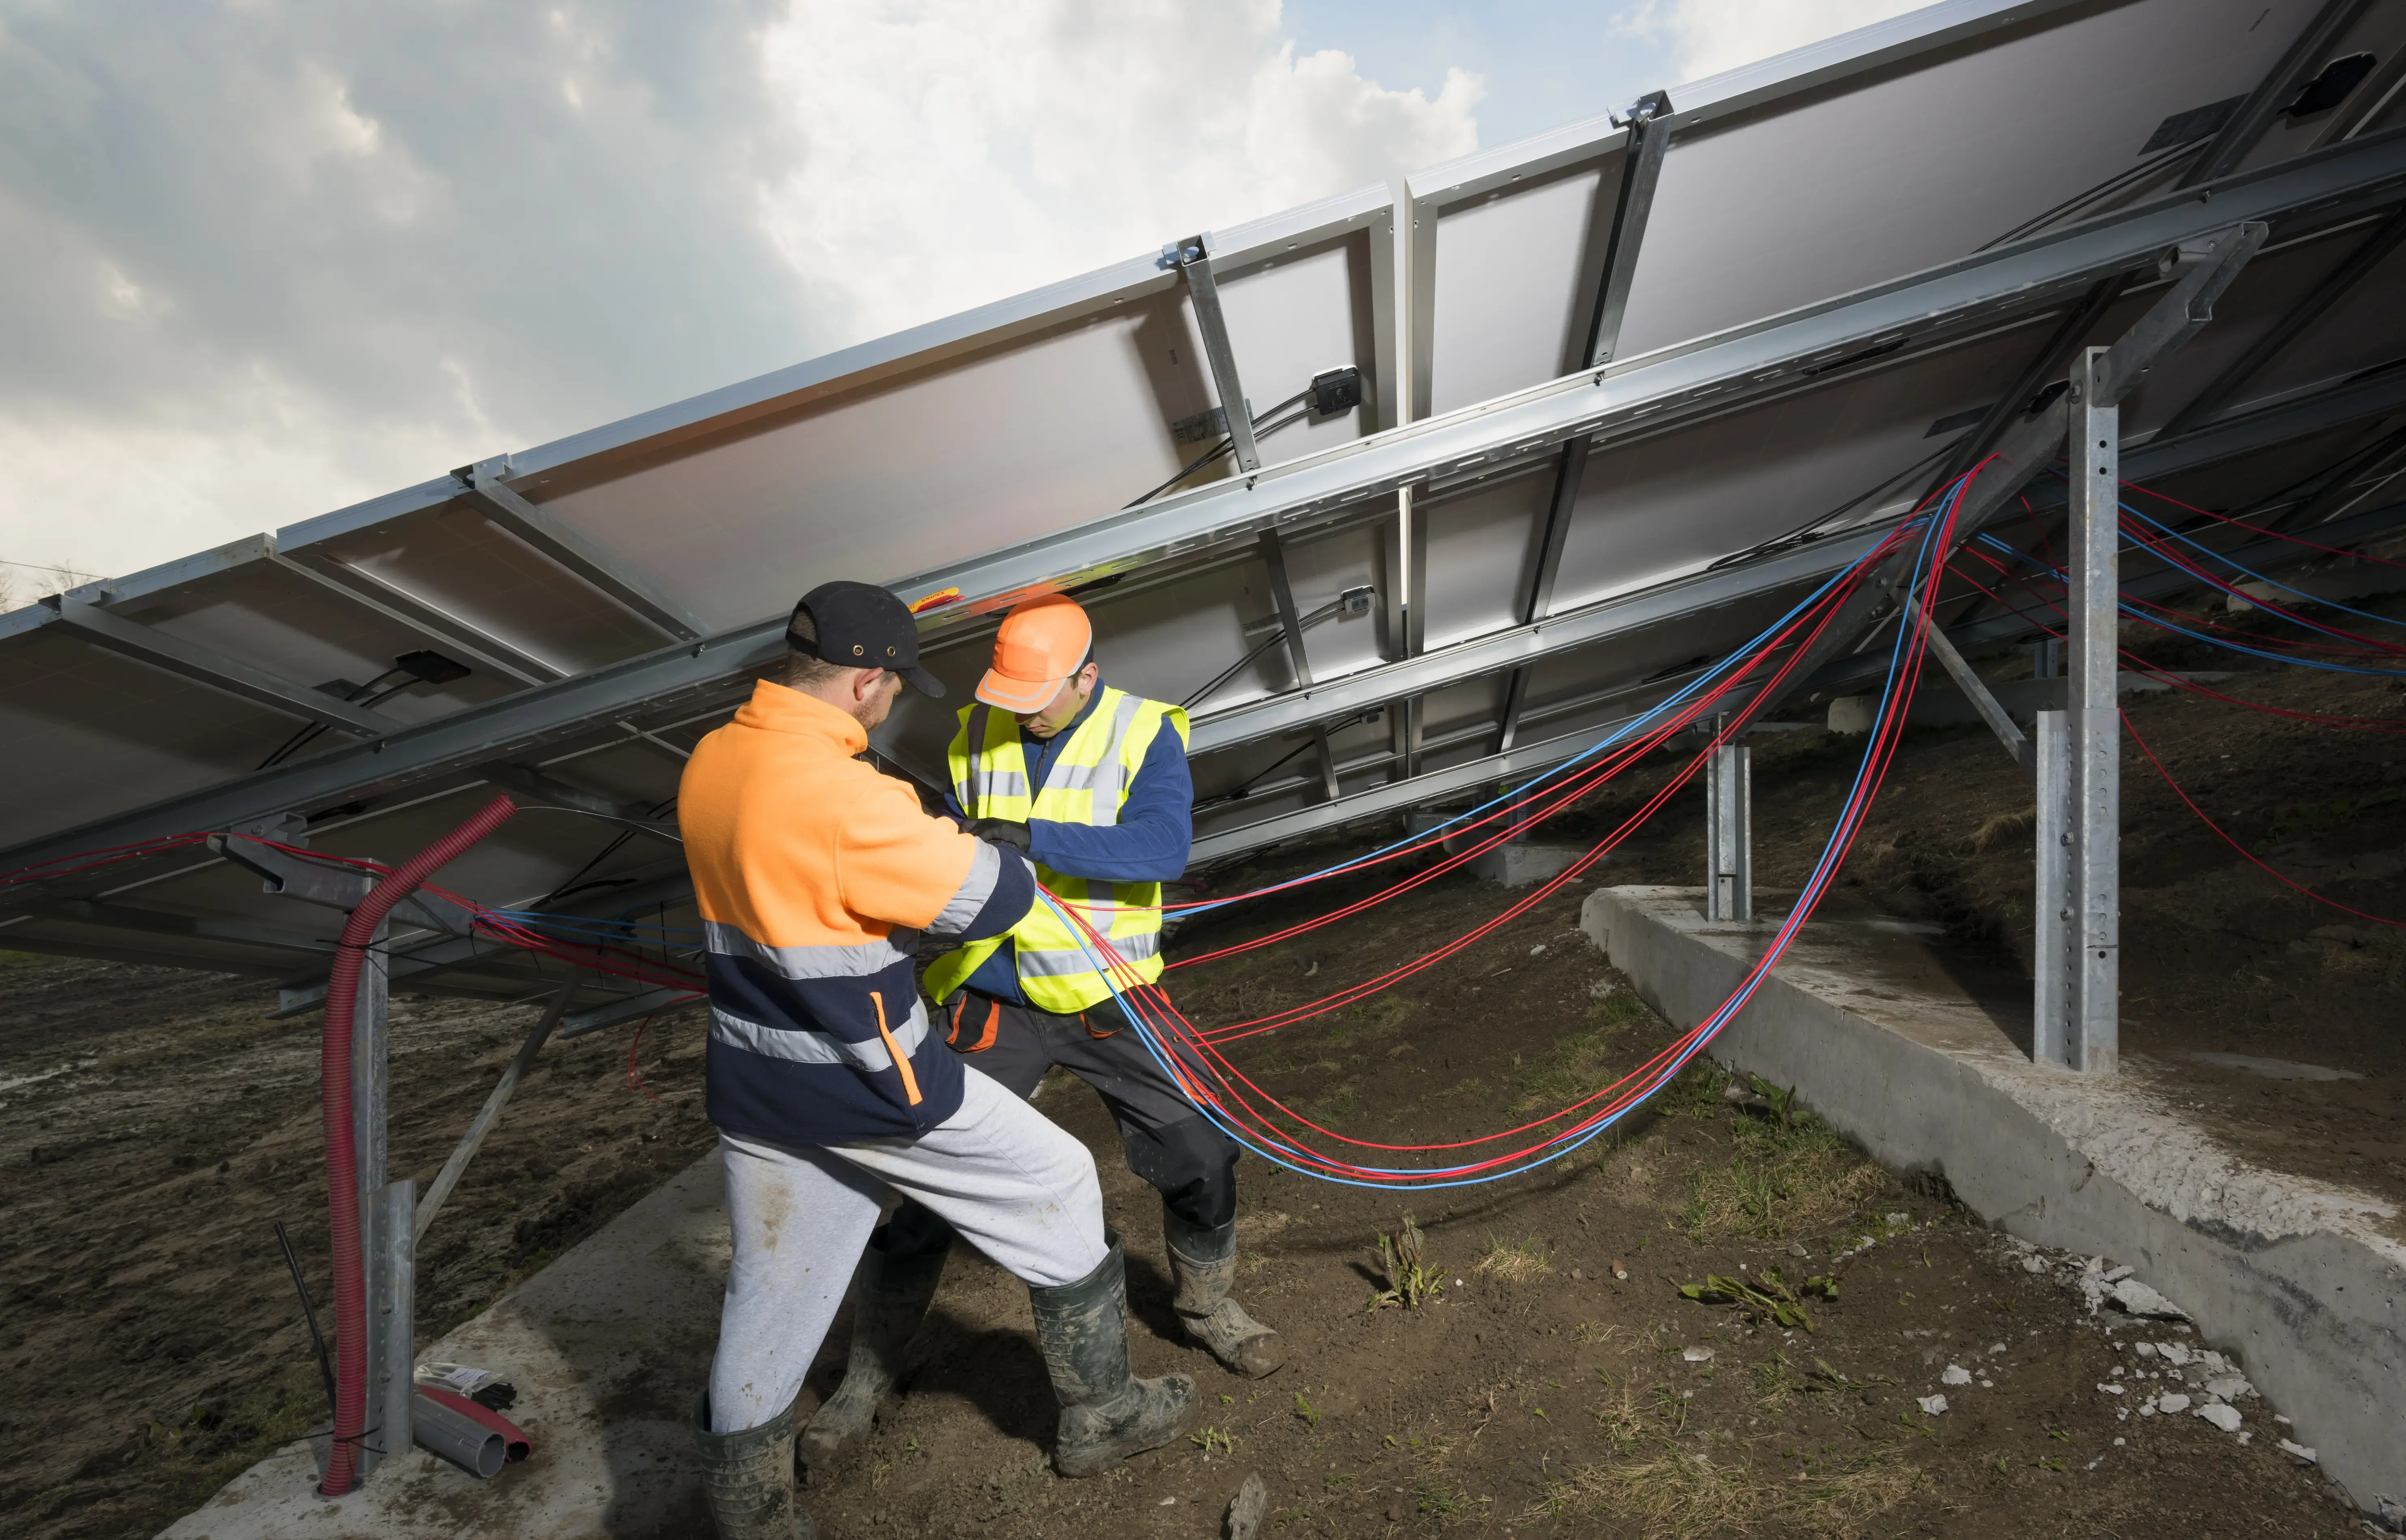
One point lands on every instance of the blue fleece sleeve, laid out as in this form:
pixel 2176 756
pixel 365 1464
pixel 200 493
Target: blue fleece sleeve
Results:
pixel 1155 827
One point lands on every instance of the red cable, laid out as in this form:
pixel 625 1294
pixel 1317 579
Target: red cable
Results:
pixel 2234 844
pixel 2258 529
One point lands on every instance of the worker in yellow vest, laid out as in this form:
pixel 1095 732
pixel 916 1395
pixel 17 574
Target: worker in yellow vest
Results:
pixel 1092 783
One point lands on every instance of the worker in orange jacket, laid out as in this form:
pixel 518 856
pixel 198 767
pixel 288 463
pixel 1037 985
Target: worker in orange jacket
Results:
pixel 815 873
pixel 1092 781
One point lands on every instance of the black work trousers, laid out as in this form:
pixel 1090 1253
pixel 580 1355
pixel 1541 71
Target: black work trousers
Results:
pixel 1168 1143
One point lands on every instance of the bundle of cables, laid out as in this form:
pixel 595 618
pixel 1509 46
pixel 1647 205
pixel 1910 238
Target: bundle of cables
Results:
pixel 1276 1131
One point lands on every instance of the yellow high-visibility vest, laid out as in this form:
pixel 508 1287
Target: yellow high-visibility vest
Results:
pixel 1088 783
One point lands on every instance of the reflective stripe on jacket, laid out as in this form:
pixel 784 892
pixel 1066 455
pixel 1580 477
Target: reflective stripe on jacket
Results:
pixel 812 872
pixel 1087 783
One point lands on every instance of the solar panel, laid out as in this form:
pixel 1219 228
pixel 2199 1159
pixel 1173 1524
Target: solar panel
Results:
pixel 1605 434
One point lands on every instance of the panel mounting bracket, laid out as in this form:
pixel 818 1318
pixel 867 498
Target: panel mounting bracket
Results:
pixel 1193 258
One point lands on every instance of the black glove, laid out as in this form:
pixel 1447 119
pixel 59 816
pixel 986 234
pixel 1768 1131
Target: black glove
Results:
pixel 1001 831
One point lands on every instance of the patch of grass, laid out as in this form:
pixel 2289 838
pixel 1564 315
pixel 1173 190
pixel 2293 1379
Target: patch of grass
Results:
pixel 1673 1493
pixel 1618 1011
pixel 1790 1175
pixel 1564 1073
pixel 1522 1261
pixel 1695 1094
pixel 1998 828
pixel 1213 1441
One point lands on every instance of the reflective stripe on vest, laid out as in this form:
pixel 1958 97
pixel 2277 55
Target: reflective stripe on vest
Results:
pixel 1087 783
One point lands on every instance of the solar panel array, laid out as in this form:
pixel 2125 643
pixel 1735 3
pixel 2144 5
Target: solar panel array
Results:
pixel 1607 375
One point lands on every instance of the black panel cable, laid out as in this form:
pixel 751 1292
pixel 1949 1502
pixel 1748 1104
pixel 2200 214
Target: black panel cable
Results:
pixel 1263 428
pixel 308 1314
pixel 422 667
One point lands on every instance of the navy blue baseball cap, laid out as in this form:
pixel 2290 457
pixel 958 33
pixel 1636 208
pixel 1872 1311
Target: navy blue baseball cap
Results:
pixel 862 626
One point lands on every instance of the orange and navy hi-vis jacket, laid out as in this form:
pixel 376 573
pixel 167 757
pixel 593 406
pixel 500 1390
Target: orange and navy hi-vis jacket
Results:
pixel 812 871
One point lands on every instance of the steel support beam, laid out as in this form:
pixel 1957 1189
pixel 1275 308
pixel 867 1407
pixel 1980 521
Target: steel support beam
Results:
pixel 2076 1002
pixel 2351 269
pixel 2045 366
pixel 2349 485
pixel 1648 120
pixel 2000 721
pixel 207 666
pixel 2273 93
pixel 553 792
pixel 154 922
pixel 424 617
pixel 1192 257
pixel 1729 835
pixel 485 652
pixel 483 489
pixel 1709 376
pixel 1290 624
pixel 487 1115
pixel 2178 314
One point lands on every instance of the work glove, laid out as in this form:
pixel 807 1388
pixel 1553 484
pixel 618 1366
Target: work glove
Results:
pixel 1001 831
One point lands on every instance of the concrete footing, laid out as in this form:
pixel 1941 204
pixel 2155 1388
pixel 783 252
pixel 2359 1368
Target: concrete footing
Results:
pixel 607 1346
pixel 2303 1282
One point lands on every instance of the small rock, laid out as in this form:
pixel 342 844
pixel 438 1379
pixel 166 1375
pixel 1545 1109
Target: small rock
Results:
pixel 1538 951
pixel 2297 1452
pixel 1931 1404
pixel 1898 1222
pixel 2109 1389
pixel 2228 1388
pixel 1577 1275
pixel 1796 1248
pixel 2118 1274
pixel 2137 1299
pixel 1995 1347
pixel 1697 1355
pixel 2117 1442
pixel 1167 1502
pixel 2146 1350
pixel 2147 1408
pixel 2225 1418
pixel 2034 1264
pixel 1245 1513
pixel 1398 1513
pixel 1619 1273
pixel 2172 1403
pixel 1955 1375
pixel 2174 1353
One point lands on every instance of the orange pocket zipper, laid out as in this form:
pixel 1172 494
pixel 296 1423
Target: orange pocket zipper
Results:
pixel 909 1082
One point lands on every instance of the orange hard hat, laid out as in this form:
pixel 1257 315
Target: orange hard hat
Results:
pixel 1043 642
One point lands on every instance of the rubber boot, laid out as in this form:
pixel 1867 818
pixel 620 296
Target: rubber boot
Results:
pixel 894 1291
pixel 1107 1413
pixel 1204 1261
pixel 749 1476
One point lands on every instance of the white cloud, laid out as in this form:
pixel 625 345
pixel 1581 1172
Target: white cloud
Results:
pixel 1707 36
pixel 265 259
pixel 952 152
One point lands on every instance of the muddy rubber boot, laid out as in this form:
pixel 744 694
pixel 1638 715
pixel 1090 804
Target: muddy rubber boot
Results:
pixel 1204 1261
pixel 749 1476
pixel 894 1291
pixel 1107 1413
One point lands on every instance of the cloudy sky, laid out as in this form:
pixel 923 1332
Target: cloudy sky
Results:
pixel 264 258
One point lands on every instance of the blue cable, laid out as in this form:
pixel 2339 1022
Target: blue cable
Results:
pixel 1618 735
pixel 1824 869
pixel 2158 621
pixel 2259 577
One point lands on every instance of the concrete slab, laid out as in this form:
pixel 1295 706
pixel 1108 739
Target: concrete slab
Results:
pixel 607 1346
pixel 1923 1063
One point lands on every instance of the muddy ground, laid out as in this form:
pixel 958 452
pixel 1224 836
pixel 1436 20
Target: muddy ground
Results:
pixel 153 1123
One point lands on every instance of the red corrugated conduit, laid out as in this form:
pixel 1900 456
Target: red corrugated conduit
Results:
pixel 341 1159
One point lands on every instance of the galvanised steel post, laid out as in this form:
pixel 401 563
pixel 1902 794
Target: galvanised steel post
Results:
pixel 2092 971
pixel 1729 834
